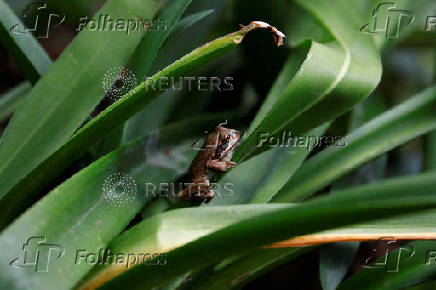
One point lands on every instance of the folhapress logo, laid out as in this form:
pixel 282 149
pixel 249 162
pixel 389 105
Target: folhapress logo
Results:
pixel 39 20
pixel 391 256
pixel 38 255
pixel 388 20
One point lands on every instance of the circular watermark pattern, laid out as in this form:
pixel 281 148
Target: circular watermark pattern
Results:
pixel 119 189
pixel 118 81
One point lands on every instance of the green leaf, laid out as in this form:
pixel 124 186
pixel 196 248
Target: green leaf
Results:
pixel 97 128
pixel 270 170
pixel 409 272
pixel 187 22
pixel 26 51
pixel 262 262
pixel 259 178
pixel 164 232
pixel 417 269
pixel 81 215
pixel 424 286
pixel 395 127
pixel 151 117
pixel 336 258
pixel 248 267
pixel 51 113
pixel 282 161
pixel 140 63
pixel 149 47
pixel 11 99
pixel 333 258
pixel 329 76
pixel 156 113
pixel 343 208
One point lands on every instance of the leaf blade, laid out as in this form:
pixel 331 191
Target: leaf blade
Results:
pixel 33 134
pixel 28 54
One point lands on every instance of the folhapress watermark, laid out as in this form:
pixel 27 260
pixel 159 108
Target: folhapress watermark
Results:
pixel 39 20
pixel 38 254
pixel 107 23
pixel 106 257
pixel 286 139
pixel 388 19
pixel 430 23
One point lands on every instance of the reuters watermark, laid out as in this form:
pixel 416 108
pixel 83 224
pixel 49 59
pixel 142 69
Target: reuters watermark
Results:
pixel 286 139
pixel 121 190
pixel 171 189
pixel 202 83
pixel 118 81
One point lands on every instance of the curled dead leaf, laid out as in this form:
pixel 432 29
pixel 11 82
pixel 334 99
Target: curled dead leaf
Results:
pixel 277 34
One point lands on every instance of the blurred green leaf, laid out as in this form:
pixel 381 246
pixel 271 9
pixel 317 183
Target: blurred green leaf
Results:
pixel 100 126
pixel 187 22
pixel 139 64
pixel 343 208
pixel 395 127
pixel 330 75
pixel 417 269
pixel 334 262
pixel 156 113
pixel 336 258
pixel 248 267
pixel 11 99
pixel 26 51
pixel 148 48
pixel 259 178
pixel 151 117
pixel 85 214
pixel 431 138
pixel 175 228
pixel 66 95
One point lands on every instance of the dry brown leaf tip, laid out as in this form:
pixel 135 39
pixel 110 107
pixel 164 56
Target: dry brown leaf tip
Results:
pixel 277 34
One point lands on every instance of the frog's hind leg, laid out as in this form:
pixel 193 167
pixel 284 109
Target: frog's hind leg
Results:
pixel 197 191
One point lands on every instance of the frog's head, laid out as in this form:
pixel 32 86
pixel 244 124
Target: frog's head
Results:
pixel 228 139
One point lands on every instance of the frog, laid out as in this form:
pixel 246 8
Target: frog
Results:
pixel 216 155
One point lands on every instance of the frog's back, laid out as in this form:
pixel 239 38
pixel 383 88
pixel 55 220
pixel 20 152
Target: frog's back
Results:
pixel 198 168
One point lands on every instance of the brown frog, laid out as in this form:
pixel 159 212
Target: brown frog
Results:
pixel 215 154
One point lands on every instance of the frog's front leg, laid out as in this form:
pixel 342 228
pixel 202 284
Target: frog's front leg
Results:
pixel 220 165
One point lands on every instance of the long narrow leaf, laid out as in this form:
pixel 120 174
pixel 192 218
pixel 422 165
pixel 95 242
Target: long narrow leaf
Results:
pixel 326 212
pixel 336 66
pixel 25 49
pixel 101 125
pixel 395 127
pixel 10 100
pixel 168 231
pixel 66 95
pixel 90 209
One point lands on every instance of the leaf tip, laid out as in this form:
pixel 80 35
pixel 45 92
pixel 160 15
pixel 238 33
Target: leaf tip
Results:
pixel 253 25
